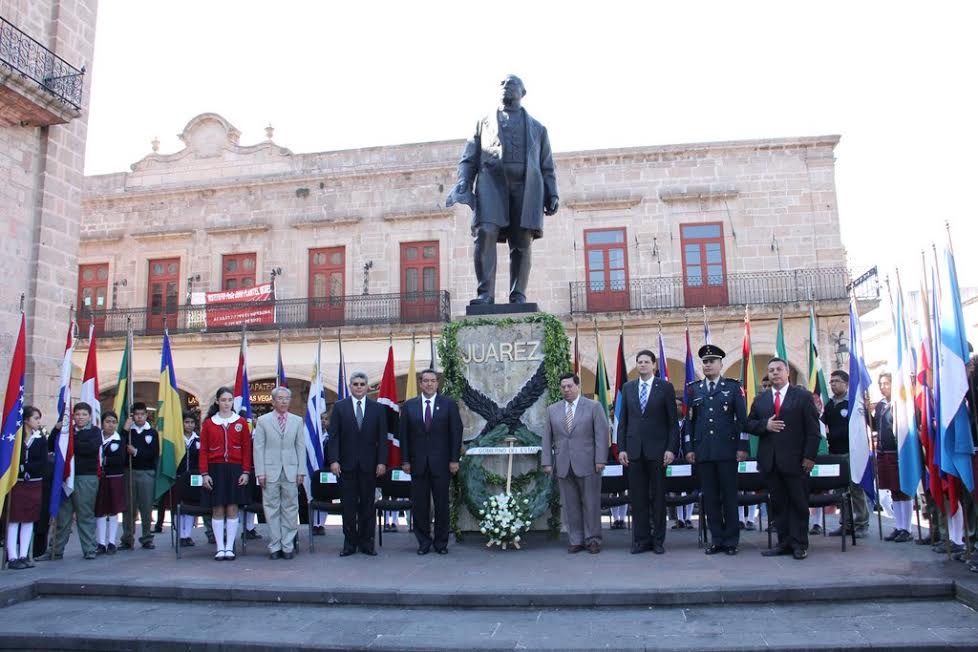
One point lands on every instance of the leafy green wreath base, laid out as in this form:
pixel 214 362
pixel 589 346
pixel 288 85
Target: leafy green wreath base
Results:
pixel 471 485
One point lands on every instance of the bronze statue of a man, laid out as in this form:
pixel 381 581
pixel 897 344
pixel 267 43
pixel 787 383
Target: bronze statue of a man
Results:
pixel 506 176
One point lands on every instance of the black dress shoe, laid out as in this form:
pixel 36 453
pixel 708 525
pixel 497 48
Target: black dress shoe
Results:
pixel 288 555
pixel 638 548
pixel 149 545
pixel 319 531
pixel 800 554
pixel 346 552
pixel 368 551
pixel 776 551
pixel 441 551
pixel 714 549
pixel 275 555
pixel 658 549
pixel 731 550
pixel 481 300
pixel 424 550
pixel 125 545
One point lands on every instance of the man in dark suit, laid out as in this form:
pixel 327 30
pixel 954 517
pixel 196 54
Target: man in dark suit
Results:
pixel 356 452
pixel 431 441
pixel 786 421
pixel 648 437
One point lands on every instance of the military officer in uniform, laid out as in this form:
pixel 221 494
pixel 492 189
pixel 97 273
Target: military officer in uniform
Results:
pixel 716 442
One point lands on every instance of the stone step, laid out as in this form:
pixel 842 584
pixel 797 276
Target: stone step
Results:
pixel 492 597
pixel 80 623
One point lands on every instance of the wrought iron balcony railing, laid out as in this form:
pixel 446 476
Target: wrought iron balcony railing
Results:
pixel 755 288
pixel 332 312
pixel 33 60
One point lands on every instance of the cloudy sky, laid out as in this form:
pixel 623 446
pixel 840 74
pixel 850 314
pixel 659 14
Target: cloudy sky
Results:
pixel 895 79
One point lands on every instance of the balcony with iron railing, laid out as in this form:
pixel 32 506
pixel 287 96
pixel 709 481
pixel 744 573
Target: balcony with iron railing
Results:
pixel 37 87
pixel 334 312
pixel 749 288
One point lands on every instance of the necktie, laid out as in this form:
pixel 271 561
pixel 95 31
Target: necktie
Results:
pixel 281 422
pixel 643 396
pixel 777 404
pixel 712 385
pixel 427 414
pixel 569 416
pixel 359 414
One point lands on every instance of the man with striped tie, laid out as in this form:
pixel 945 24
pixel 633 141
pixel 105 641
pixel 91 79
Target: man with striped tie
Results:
pixel 576 434
pixel 648 435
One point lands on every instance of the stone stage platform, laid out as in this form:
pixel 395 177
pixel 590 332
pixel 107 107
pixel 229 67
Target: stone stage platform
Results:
pixel 874 595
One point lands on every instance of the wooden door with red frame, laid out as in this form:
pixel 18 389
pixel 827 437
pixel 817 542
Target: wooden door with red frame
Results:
pixel 704 265
pixel 162 293
pixel 606 267
pixel 419 281
pixel 93 291
pixel 327 285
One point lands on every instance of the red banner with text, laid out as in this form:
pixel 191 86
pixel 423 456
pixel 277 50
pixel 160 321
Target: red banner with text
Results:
pixel 241 307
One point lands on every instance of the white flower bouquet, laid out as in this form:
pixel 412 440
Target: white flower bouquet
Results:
pixel 504 518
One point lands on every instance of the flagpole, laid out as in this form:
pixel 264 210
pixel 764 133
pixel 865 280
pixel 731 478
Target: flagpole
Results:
pixel 946 497
pixel 277 379
pixel 132 505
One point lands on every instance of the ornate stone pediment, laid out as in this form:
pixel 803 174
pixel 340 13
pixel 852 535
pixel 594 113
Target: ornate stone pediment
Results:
pixel 211 153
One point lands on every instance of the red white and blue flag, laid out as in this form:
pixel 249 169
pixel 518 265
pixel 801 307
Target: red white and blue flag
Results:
pixel 89 389
pixel 242 391
pixel 64 452
pixel 690 370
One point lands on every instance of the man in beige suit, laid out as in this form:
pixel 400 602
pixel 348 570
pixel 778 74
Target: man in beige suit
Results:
pixel 280 458
pixel 577 429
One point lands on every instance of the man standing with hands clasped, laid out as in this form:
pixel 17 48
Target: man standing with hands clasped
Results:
pixel 280 459
pixel 431 441
pixel 717 418
pixel 356 452
pixel 648 433
pixel 786 421
pixel 577 429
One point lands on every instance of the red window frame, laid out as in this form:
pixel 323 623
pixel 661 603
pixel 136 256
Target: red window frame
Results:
pixel 606 269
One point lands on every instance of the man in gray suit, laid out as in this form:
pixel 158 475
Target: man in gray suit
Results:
pixel 280 459
pixel 577 429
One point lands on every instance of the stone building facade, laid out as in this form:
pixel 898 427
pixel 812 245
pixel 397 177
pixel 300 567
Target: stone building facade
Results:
pixel 46 49
pixel 359 243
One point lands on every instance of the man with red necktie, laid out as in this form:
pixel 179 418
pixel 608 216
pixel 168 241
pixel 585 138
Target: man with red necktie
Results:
pixel 786 421
pixel 431 442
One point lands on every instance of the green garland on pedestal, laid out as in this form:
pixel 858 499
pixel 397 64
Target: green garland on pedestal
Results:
pixel 470 485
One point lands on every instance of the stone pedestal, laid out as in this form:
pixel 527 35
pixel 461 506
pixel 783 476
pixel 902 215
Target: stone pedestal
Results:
pixel 502 366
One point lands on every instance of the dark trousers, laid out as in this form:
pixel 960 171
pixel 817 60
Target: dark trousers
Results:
pixel 646 488
pixel 425 489
pixel 519 241
pixel 719 483
pixel 789 508
pixel 357 495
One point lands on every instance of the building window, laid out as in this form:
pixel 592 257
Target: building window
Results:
pixel 93 292
pixel 327 285
pixel 704 264
pixel 162 292
pixel 606 267
pixel 237 271
pixel 419 281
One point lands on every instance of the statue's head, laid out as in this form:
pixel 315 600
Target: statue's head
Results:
pixel 512 90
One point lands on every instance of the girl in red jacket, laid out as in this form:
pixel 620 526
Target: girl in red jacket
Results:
pixel 225 467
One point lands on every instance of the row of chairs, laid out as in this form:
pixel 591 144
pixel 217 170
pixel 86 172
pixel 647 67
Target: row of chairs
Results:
pixel 829 485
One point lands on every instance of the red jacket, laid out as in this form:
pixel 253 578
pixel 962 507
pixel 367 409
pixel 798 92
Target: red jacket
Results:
pixel 225 443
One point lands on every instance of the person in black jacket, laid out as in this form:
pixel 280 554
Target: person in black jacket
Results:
pixel 356 452
pixel 431 442
pixel 111 499
pixel 143 445
pixel 87 439
pixel 648 438
pixel 785 420
pixel 24 506
pixel 190 464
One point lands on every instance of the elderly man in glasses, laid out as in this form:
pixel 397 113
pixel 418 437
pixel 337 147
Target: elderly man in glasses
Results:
pixel 356 452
